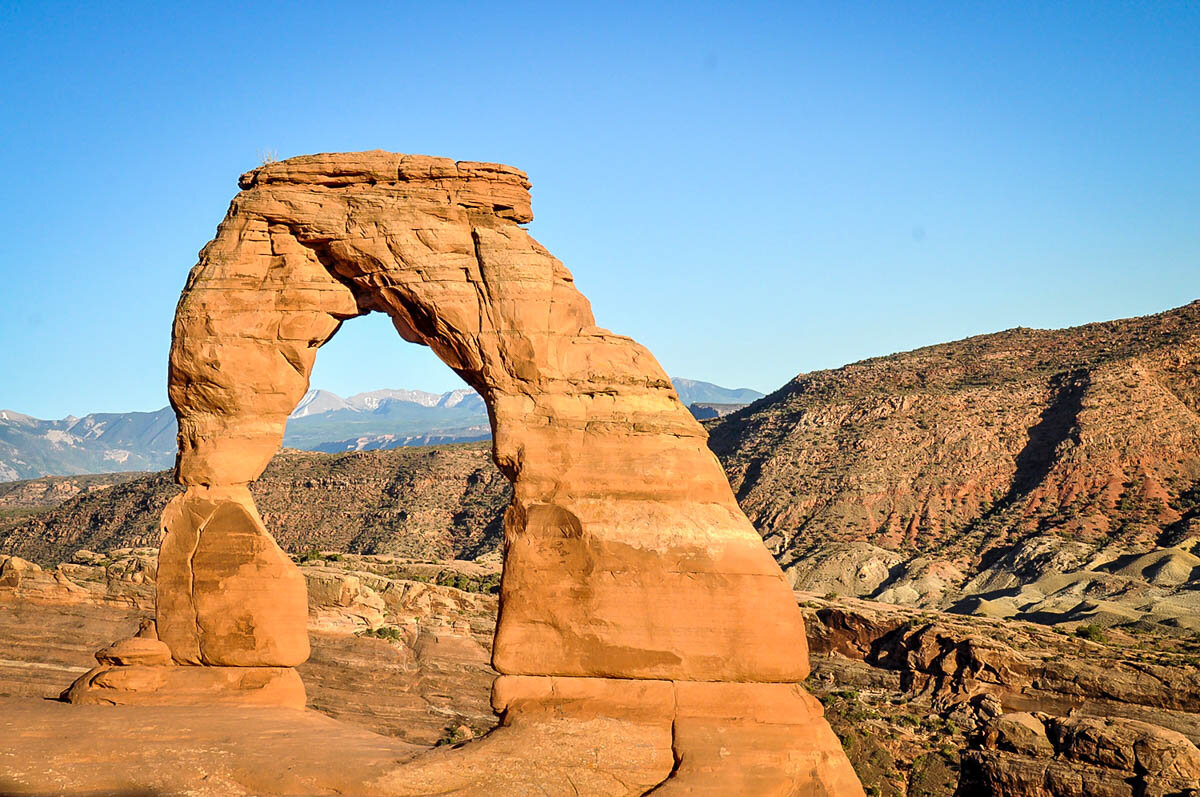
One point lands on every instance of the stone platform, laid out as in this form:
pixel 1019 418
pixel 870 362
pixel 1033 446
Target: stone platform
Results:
pixel 52 748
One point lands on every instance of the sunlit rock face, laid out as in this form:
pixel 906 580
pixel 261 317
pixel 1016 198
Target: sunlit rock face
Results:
pixel 643 630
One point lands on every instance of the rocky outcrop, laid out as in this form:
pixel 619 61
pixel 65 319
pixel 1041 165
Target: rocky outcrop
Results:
pixel 50 491
pixel 971 668
pixel 160 684
pixel 1037 755
pixel 416 669
pixel 123 577
pixel 633 584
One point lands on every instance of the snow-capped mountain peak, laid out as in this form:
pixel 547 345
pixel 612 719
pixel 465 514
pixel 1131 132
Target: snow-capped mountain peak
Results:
pixel 316 402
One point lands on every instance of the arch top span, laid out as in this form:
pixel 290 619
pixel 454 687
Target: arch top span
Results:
pixel 626 556
pixel 438 246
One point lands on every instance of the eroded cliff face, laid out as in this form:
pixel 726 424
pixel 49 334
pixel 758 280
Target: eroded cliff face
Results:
pixel 981 466
pixel 1020 754
pixel 928 702
pixel 635 593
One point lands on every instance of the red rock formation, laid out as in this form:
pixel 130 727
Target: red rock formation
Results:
pixel 644 629
pixel 1036 754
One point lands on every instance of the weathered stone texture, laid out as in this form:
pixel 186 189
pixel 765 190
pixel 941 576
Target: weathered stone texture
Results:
pixel 1037 755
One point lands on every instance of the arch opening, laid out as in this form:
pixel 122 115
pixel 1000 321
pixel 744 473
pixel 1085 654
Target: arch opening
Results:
pixel 369 389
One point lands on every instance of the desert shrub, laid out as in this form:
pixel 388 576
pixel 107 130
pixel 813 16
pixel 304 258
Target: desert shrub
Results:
pixel 385 632
pixel 313 555
pixel 1091 632
pixel 453 734
pixel 489 585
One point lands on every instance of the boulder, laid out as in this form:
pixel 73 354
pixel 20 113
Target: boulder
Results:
pixel 135 650
pixel 140 684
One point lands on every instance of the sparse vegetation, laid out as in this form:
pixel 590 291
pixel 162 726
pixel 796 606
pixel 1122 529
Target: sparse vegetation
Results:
pixel 489 584
pixel 456 733
pixel 386 632
pixel 313 555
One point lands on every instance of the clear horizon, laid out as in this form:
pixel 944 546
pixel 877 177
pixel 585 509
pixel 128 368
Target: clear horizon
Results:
pixel 751 192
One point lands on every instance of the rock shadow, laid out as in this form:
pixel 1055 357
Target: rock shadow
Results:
pixel 1058 423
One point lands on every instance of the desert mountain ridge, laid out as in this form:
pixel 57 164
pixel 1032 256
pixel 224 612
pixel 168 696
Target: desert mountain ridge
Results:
pixel 1033 472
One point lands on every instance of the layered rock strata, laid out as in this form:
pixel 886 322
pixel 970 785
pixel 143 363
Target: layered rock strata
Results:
pixel 970 670
pixel 1024 754
pixel 635 593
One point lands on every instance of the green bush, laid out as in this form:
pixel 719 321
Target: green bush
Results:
pixel 452 735
pixel 385 632
pixel 313 555
pixel 1091 632
pixel 489 584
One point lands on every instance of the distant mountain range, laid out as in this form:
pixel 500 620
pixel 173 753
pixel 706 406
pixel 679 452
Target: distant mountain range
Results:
pixel 692 392
pixel 381 419
pixel 322 421
pixel 316 402
pixel 96 443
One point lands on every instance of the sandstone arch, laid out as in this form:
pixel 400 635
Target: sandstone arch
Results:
pixel 646 636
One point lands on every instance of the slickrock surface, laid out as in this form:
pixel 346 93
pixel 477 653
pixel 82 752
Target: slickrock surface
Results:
pixel 61 749
pixel 627 561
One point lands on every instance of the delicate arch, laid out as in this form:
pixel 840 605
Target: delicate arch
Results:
pixel 633 585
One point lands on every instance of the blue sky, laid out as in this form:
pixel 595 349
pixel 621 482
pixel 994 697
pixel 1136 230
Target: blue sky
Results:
pixel 751 190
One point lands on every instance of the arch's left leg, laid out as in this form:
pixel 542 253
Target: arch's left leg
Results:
pixel 246 332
